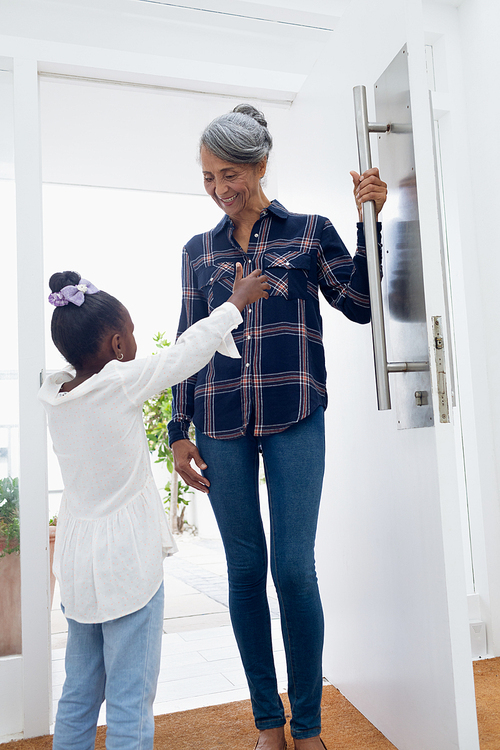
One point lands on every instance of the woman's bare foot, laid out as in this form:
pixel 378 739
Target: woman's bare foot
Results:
pixel 312 743
pixel 271 739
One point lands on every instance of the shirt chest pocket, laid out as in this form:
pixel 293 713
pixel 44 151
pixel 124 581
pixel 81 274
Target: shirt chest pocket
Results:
pixel 288 274
pixel 216 283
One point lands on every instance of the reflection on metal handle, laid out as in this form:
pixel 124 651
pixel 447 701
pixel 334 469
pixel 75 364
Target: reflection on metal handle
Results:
pixel 407 366
pixel 369 222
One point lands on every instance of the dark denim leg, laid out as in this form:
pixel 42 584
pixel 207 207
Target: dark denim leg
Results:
pixel 233 474
pixel 294 464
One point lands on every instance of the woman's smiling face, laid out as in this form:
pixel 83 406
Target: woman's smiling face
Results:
pixel 234 187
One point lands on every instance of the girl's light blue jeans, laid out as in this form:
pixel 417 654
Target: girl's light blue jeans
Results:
pixel 117 661
pixel 294 467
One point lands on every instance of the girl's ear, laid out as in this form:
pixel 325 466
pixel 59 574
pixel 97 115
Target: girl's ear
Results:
pixel 262 166
pixel 116 346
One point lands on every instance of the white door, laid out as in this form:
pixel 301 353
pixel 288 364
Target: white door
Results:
pixel 389 549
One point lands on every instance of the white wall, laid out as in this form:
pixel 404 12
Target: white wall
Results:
pixel 479 21
pixel 134 137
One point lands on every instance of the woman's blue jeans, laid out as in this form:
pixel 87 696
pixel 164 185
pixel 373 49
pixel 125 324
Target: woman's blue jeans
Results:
pixel 294 467
pixel 119 661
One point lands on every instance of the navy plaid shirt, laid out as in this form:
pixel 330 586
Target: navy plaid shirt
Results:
pixel 281 376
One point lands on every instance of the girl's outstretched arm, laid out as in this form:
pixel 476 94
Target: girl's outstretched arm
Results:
pixel 196 346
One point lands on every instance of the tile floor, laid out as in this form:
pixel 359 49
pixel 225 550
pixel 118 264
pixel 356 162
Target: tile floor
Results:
pixel 200 665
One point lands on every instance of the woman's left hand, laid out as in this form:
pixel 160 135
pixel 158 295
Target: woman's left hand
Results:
pixel 369 187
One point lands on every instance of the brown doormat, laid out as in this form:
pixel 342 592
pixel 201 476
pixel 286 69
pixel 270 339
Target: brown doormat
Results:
pixel 231 727
pixel 487 682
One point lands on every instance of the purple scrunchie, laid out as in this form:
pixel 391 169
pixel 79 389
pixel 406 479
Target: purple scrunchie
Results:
pixel 75 294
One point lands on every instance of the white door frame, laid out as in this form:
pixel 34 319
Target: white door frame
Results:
pixel 35 586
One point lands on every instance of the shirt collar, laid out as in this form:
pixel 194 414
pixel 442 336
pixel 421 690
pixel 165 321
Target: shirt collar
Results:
pixel 277 209
pixel 274 207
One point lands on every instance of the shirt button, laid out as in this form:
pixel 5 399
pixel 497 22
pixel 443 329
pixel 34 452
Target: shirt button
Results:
pixel 249 337
pixel 213 277
pixel 256 235
pixel 247 364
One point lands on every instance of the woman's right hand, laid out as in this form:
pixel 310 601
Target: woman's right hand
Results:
pixel 249 289
pixel 369 187
pixel 184 451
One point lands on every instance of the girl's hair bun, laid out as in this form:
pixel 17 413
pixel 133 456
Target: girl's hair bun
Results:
pixel 79 330
pixel 65 278
pixel 248 109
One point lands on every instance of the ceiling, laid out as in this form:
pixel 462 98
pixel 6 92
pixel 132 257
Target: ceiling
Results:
pixel 261 48
pixel 319 14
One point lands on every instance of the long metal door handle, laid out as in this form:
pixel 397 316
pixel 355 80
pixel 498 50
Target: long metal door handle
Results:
pixel 382 366
pixel 363 128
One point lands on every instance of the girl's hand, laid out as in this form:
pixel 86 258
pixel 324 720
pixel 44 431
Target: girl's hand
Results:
pixel 249 289
pixel 369 187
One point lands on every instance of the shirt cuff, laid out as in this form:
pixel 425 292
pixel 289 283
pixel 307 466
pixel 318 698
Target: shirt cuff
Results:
pixel 178 431
pixel 361 244
pixel 227 346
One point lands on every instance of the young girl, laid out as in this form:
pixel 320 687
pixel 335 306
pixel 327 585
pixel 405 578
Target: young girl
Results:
pixel 112 533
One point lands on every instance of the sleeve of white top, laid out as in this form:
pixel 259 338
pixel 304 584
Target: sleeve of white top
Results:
pixel 192 351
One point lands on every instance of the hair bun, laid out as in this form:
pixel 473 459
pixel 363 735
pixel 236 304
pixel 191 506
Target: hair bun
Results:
pixel 248 109
pixel 65 278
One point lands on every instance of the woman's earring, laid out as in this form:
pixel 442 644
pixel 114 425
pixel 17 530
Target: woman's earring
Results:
pixel 120 357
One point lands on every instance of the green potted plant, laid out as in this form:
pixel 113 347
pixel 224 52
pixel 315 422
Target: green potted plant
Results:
pixel 9 516
pixel 157 413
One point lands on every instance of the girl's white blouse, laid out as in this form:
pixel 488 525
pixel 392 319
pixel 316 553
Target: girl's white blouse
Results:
pixel 112 533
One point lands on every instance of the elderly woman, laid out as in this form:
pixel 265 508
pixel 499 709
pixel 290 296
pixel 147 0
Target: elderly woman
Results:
pixel 271 401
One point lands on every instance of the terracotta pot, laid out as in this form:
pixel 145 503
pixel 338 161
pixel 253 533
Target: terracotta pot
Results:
pixel 10 596
pixel 10 611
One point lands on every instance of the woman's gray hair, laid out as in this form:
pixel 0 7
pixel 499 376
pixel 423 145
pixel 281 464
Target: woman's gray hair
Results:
pixel 240 136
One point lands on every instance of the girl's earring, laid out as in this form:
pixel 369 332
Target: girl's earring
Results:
pixel 120 357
